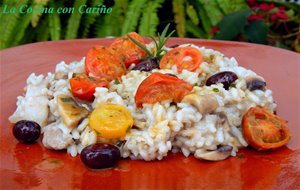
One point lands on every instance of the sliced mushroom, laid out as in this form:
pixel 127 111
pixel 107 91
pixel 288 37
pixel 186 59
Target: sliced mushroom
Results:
pixel 255 83
pixel 223 122
pixel 55 138
pixel 70 112
pixel 221 153
pixel 204 103
pixel 239 136
pixel 83 104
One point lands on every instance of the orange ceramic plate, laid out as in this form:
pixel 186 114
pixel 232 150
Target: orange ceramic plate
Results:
pixel 34 167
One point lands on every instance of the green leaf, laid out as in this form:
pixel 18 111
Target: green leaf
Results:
pixel 37 4
pixel 290 13
pixel 192 14
pixel 132 16
pixel 212 10
pixel 150 20
pixel 28 36
pixel 232 24
pixel 111 26
pixel 123 4
pixel 89 19
pixel 54 24
pixel 194 30
pixel 21 29
pixel 6 29
pixel 74 20
pixel 232 5
pixel 205 21
pixel 103 29
pixel 9 23
pixel 257 32
pixel 42 31
pixel 283 46
pixel 179 16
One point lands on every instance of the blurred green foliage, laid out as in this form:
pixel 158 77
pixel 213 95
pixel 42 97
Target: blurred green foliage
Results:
pixel 190 18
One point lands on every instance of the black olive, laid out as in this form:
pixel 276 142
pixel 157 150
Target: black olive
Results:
pixel 26 131
pixel 147 64
pixel 225 77
pixel 256 84
pixel 174 46
pixel 99 156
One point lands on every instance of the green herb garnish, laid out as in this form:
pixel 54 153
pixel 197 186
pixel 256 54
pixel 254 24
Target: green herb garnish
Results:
pixel 240 156
pixel 128 129
pixel 215 89
pixel 162 39
pixel 118 167
pixel 91 78
pixel 66 99
pixel 116 81
pixel 233 85
pixel 55 161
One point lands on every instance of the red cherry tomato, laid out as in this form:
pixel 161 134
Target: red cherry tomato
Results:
pixel 100 62
pixel 158 87
pixel 83 86
pixel 263 130
pixel 127 51
pixel 188 58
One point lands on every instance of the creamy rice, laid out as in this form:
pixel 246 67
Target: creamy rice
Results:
pixel 159 128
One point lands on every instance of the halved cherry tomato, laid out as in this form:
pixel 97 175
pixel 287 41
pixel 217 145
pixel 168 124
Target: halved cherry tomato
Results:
pixel 102 63
pixel 83 86
pixel 158 87
pixel 126 50
pixel 188 58
pixel 111 121
pixel 263 130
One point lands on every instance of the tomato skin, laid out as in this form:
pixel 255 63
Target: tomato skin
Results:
pixel 263 130
pixel 188 58
pixel 158 87
pixel 111 62
pixel 83 87
pixel 127 51
pixel 102 63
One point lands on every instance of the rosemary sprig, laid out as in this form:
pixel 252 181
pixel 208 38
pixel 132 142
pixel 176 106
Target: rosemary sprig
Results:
pixel 162 39
pixel 140 45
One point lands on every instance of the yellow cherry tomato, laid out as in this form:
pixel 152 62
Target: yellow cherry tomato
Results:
pixel 111 121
